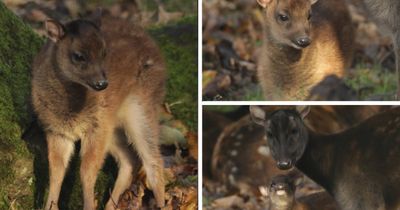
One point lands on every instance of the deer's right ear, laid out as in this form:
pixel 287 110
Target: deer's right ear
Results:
pixel 257 115
pixel 55 30
pixel 264 3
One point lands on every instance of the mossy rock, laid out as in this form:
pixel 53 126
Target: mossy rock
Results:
pixel 23 164
pixel 18 45
pixel 178 43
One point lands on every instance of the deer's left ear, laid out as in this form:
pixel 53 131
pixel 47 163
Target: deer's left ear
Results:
pixel 313 1
pixel 257 115
pixel 264 3
pixel 55 30
pixel 95 17
pixel 303 111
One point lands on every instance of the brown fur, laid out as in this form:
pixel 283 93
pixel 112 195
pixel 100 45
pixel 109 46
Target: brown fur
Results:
pixel 287 72
pixel 70 109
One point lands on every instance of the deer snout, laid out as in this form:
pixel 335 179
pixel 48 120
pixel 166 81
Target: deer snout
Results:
pixel 100 85
pixel 284 164
pixel 303 41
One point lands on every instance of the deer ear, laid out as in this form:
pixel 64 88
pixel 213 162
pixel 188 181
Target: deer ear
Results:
pixel 257 115
pixel 303 111
pixel 95 17
pixel 55 30
pixel 264 3
pixel 313 1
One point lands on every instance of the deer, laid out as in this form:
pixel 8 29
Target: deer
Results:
pixel 387 14
pixel 242 142
pixel 303 42
pixel 281 194
pixel 356 166
pixel 100 80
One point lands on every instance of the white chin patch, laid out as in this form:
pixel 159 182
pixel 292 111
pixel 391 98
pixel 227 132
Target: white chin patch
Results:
pixel 296 47
pixel 280 192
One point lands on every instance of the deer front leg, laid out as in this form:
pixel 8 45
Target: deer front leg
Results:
pixel 140 121
pixel 93 151
pixel 60 151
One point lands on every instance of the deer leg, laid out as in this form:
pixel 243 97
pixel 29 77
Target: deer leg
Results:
pixel 60 151
pixel 126 160
pixel 140 121
pixel 93 151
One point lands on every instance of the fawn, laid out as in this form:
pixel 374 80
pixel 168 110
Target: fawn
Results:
pixel 281 194
pixel 387 12
pixel 357 166
pixel 101 81
pixel 304 42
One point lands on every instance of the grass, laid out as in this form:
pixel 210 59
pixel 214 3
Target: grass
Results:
pixel 373 82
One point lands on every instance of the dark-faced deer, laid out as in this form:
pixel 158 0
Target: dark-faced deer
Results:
pixel 100 81
pixel 387 13
pixel 304 42
pixel 242 142
pixel 358 166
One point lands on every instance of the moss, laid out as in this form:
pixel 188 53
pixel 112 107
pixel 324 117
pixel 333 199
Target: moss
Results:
pixel 178 43
pixel 373 82
pixel 18 45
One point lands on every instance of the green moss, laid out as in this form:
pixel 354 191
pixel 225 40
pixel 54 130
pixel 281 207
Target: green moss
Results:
pixel 178 43
pixel 373 82
pixel 18 45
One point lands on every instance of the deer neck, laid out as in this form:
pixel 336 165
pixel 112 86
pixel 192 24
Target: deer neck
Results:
pixel 318 160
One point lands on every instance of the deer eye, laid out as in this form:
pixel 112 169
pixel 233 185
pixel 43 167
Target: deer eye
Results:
pixel 294 131
pixel 78 57
pixel 283 17
pixel 309 16
pixel 269 134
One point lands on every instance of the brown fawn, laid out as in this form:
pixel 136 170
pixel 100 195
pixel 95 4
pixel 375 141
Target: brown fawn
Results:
pixel 304 41
pixel 357 166
pixel 387 12
pixel 93 79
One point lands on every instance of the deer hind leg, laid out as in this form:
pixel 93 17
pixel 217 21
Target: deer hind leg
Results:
pixel 127 160
pixel 93 151
pixel 60 151
pixel 140 121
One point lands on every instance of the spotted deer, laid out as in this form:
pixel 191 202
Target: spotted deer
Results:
pixel 356 166
pixel 304 41
pixel 242 142
pixel 100 81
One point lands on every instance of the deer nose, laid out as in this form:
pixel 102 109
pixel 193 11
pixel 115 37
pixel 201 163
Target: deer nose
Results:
pixel 303 41
pixel 101 85
pixel 284 165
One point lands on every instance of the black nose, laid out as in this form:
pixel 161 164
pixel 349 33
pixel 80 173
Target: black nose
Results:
pixel 100 85
pixel 284 165
pixel 303 41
